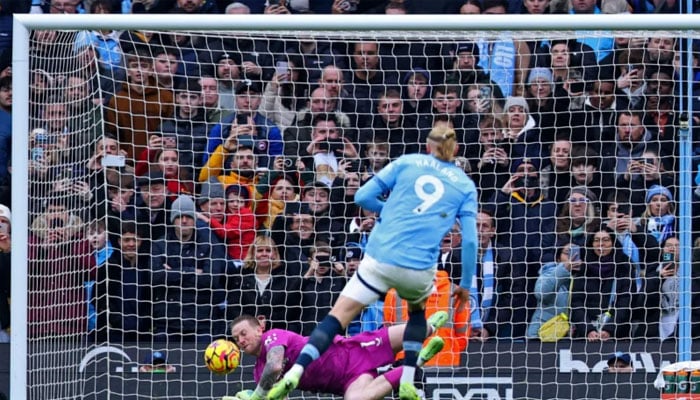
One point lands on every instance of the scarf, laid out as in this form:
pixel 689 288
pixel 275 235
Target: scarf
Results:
pixel 488 266
pixel 632 251
pixel 661 227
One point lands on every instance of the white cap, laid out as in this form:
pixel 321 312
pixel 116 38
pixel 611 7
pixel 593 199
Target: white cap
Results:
pixel 5 212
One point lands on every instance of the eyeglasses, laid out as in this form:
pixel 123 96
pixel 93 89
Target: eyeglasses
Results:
pixel 604 239
pixel 578 200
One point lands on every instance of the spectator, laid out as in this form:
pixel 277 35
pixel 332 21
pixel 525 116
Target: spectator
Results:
pixel 317 197
pixel 298 136
pixel 102 250
pixel 165 65
pixel 327 146
pixel 284 94
pixel 236 227
pixel 295 231
pixel 368 79
pixel 600 296
pixel 493 290
pixel 450 258
pixel 213 113
pixel 447 101
pixel 238 153
pixel 227 66
pixel 59 259
pixel 579 217
pixel 247 120
pixel 620 362
pixel 376 156
pixel 138 108
pixel 276 189
pixel 526 223
pixel 520 130
pixel 265 289
pixel 188 269
pixel 595 124
pixel 321 286
pixel 467 71
pixel 391 125
pixel 84 116
pixel 333 81
pixel 549 109
pixel 342 198
pixel 553 287
pixel 631 141
pixel 589 170
pixel 122 293
pixel 658 219
pixel 556 175
pixel 416 96
pixel 5 271
pixel 105 41
pixel 188 127
pixel 492 162
pixel 152 206
pixel 643 171
pixel 663 281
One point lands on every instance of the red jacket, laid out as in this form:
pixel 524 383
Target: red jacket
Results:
pixel 238 231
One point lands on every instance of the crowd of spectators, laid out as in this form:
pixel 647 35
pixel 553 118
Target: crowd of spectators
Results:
pixel 179 180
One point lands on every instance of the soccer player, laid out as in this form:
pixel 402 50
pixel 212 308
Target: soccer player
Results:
pixel 424 195
pixel 348 368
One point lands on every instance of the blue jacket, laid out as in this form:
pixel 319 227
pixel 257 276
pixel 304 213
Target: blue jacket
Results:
pixel 268 143
pixel 552 294
pixel 5 141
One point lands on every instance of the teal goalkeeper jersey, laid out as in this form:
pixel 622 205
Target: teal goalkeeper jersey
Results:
pixel 426 196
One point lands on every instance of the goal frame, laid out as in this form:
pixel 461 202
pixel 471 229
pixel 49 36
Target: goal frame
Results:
pixel 23 23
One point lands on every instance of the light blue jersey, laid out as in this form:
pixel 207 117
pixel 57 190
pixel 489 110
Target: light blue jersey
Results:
pixel 426 195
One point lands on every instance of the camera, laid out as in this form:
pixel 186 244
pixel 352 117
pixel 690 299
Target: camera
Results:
pixel 289 163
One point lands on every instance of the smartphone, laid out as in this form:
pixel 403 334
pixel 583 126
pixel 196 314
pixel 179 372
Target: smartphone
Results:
pixel 574 252
pixel 242 119
pixel 67 174
pixel 485 92
pixel 332 145
pixel 271 3
pixel 354 165
pixel 324 261
pixel 4 228
pixel 56 223
pixel 667 257
pixel 290 163
pixel 623 209
pixel 111 160
pixel 45 138
pixel 281 68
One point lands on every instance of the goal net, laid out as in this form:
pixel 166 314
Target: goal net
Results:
pixel 180 179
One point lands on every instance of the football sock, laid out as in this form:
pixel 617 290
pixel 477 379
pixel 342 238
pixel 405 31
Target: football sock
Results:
pixel 319 341
pixel 413 338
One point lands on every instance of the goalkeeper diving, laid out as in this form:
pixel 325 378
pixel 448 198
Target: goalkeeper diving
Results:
pixel 418 197
pixel 348 368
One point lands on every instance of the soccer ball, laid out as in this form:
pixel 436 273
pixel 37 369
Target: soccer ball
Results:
pixel 222 356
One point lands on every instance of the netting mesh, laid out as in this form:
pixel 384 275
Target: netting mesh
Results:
pixel 181 179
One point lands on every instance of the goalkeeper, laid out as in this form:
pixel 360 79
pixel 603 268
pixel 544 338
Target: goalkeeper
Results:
pixel 348 368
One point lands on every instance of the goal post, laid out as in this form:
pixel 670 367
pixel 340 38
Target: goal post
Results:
pixel 340 30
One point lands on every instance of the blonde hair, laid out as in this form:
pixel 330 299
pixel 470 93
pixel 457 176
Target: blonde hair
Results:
pixel 443 143
pixel 261 241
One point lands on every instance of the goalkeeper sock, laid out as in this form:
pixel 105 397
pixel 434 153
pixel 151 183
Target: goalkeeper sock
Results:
pixel 413 338
pixel 319 341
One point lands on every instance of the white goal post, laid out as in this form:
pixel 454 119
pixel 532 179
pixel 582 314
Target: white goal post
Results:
pixel 356 26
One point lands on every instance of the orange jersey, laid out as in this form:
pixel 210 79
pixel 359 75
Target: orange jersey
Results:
pixel 456 330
